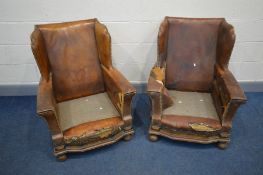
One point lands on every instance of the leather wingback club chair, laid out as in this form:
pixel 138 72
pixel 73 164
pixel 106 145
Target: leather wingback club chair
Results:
pixel 85 101
pixel 194 95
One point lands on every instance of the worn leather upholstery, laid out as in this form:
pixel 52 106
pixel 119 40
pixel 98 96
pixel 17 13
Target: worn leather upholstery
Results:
pixel 74 59
pixel 92 126
pixel 192 61
pixel 76 70
pixel 191 54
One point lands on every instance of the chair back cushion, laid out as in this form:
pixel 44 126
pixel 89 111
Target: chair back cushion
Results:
pixel 191 53
pixel 73 58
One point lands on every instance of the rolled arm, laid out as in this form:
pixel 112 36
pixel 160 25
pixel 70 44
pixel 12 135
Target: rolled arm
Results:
pixel 159 95
pixel 120 92
pixel 231 95
pixel 46 107
pixel 230 86
pixel 45 99
pixel 156 85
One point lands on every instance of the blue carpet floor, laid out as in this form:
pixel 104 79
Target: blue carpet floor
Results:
pixel 25 146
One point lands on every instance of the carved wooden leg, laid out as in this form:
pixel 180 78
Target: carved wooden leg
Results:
pixel 127 137
pixel 61 157
pixel 222 145
pixel 153 137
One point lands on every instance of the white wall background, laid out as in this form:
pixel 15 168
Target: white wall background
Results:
pixel 133 26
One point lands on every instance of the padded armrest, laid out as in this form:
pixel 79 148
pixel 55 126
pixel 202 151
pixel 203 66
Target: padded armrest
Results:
pixel 159 95
pixel 231 95
pixel 45 99
pixel 46 107
pixel 117 80
pixel 156 85
pixel 230 85
pixel 119 89
pixel 120 92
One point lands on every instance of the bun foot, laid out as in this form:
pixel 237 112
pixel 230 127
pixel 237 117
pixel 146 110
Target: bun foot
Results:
pixel 153 137
pixel 222 145
pixel 127 137
pixel 62 157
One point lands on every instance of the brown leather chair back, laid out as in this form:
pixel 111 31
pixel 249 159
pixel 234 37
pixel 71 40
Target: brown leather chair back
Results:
pixel 191 53
pixel 73 58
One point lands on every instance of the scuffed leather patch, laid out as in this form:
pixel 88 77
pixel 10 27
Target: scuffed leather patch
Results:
pixel 92 136
pixel 201 127
pixel 158 74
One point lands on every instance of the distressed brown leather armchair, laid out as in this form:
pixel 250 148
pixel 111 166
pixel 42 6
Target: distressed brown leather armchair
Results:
pixel 194 95
pixel 84 99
